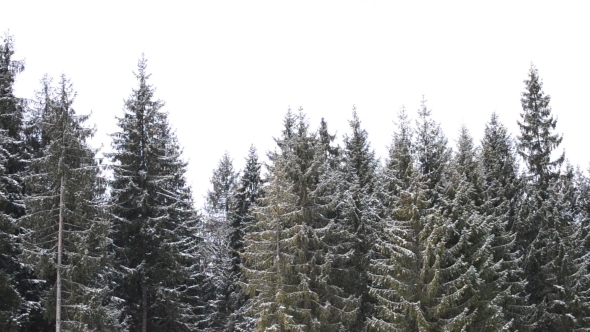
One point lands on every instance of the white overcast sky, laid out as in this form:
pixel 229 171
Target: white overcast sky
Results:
pixel 228 70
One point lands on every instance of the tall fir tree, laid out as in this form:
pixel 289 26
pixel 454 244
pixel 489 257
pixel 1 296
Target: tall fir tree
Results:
pixel 413 290
pixel 359 214
pixel 217 245
pixel 472 286
pixel 394 273
pixel 37 139
pixel 154 223
pixel 16 152
pixel 502 187
pixel 432 161
pixel 285 260
pixel 247 195
pixel 545 228
pixel 11 171
pixel 65 231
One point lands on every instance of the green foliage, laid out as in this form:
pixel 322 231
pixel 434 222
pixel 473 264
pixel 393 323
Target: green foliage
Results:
pixel 555 272
pixel 358 217
pixel 65 183
pixel 154 225
pixel 217 243
pixel 408 282
pixel 500 197
pixel 329 240
pixel 285 259
pixel 12 273
pixel 248 193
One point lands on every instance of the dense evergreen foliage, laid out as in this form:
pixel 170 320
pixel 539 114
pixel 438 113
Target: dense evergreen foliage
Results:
pixel 556 275
pixel 322 237
pixel 359 214
pixel 13 275
pixel 152 217
pixel 65 186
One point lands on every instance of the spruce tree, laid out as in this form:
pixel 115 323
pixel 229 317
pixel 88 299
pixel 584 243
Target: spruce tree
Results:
pixel 270 307
pixel 218 231
pixel 327 140
pixel 359 211
pixel 408 281
pixel 394 273
pixel 219 200
pixel 471 282
pixel 285 259
pixel 501 185
pixel 248 192
pixel 545 228
pixel 65 232
pixel 500 173
pixel 11 169
pixel 340 236
pixel 36 139
pixel 582 246
pixel 432 161
pixel 154 224
pixel 15 152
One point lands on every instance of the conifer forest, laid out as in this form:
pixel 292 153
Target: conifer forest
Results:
pixel 317 234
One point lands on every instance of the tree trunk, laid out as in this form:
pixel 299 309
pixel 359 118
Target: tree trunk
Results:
pixel 59 254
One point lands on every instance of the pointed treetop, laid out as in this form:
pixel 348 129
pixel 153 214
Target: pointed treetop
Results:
pixel 423 111
pixel 537 139
pixel 223 183
pixel 465 143
pixel 142 66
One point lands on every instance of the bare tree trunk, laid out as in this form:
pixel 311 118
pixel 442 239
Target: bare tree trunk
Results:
pixel 59 254
pixel 144 303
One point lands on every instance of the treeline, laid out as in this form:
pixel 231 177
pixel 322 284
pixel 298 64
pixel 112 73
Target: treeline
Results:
pixel 327 238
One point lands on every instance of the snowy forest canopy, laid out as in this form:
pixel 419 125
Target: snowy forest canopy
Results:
pixel 476 236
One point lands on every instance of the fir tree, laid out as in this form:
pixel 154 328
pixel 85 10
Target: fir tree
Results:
pixel 394 274
pixel 408 282
pixel 399 166
pixel 359 211
pixel 499 172
pixel 264 270
pixel 545 229
pixel 340 237
pixel 218 246
pixel 11 169
pixel 285 258
pixel 65 229
pixel 248 192
pixel 154 224
pixel 326 140
pixel 219 200
pixel 471 282
pixel 582 248
pixel 37 140
pixel 15 152
pixel 500 196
